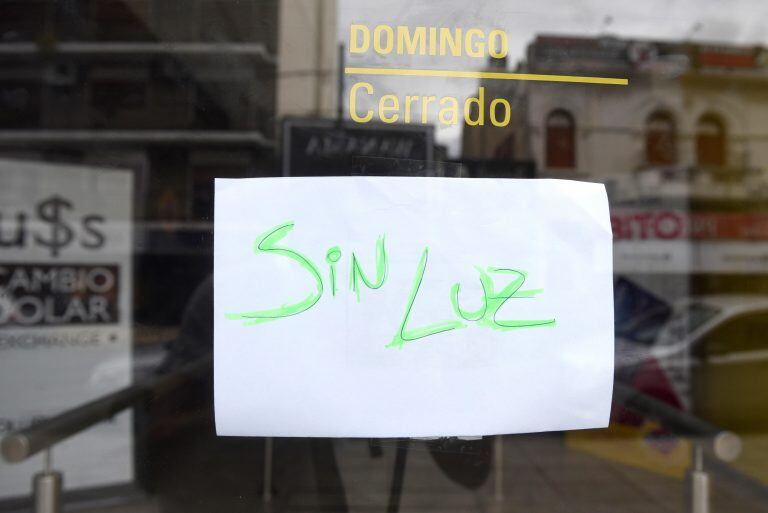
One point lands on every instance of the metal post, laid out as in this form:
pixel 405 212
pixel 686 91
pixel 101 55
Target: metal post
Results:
pixel 46 488
pixel 398 475
pixel 319 56
pixel 266 498
pixel 498 469
pixel 340 92
pixel 699 483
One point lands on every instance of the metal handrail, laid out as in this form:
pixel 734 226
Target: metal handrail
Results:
pixel 23 443
pixel 725 445
pixel 20 445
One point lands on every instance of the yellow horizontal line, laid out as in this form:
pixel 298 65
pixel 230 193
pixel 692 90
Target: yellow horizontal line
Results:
pixel 483 74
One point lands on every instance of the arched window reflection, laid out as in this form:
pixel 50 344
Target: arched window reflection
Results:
pixel 710 141
pixel 560 140
pixel 660 139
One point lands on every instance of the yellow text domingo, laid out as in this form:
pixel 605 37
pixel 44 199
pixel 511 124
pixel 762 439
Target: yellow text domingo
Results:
pixel 450 110
pixel 387 40
pixel 435 41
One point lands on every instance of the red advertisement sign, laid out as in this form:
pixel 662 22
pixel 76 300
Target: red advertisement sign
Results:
pixel 677 225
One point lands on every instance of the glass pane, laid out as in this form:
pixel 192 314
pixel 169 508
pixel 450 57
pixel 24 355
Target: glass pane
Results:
pixel 118 116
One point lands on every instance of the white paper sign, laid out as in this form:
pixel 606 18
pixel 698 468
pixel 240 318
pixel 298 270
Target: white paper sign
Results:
pixel 411 307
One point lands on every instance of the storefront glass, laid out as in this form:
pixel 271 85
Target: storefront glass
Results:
pixel 116 116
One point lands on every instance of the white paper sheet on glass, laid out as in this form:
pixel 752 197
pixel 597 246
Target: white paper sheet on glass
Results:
pixel 523 343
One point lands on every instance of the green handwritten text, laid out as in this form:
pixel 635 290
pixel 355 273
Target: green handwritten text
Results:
pixel 486 316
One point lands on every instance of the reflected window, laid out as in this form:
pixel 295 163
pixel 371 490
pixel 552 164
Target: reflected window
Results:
pixel 660 139
pixel 561 140
pixel 710 141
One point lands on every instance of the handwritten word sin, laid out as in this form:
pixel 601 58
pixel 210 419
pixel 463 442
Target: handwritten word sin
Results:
pixel 487 315
pixel 268 243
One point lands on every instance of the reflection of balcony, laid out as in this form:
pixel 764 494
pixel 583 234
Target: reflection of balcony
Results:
pixel 141 137
pixel 140 48
pixel 682 182
pixel 139 85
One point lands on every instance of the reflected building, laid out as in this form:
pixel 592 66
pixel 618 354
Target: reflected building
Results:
pixel 179 92
pixel 490 142
pixel 686 105
pixel 682 151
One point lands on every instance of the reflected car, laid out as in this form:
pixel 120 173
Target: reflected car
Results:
pixel 706 359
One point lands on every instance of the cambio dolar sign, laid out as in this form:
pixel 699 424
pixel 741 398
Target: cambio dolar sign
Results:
pixel 65 313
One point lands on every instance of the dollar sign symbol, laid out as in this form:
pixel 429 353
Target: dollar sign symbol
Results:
pixel 61 234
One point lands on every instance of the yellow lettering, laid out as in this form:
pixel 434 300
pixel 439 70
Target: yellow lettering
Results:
pixel 408 101
pixel 425 101
pixel 497 44
pixel 389 39
pixel 432 41
pixel 453 110
pixel 454 43
pixel 355 46
pixel 407 43
pixel 353 102
pixel 384 109
pixel 474 48
pixel 507 112
pixel 480 102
